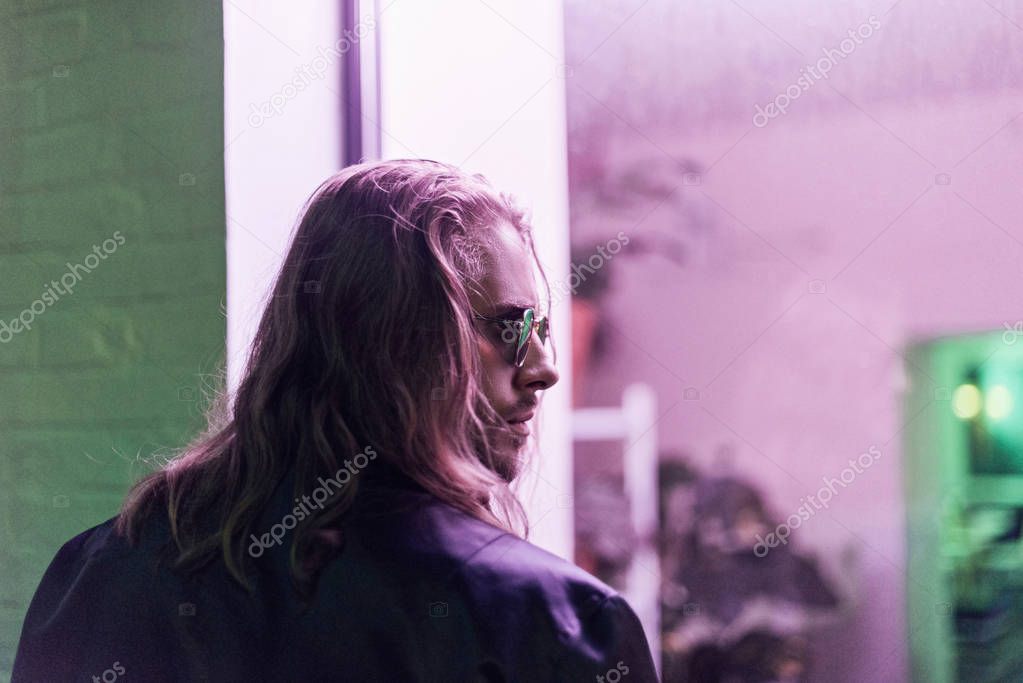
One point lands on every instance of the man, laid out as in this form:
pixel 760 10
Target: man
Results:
pixel 347 515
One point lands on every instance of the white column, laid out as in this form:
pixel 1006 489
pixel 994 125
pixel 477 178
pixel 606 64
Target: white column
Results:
pixel 282 129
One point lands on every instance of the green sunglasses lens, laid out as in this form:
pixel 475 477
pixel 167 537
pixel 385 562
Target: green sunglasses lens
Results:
pixel 529 322
pixel 543 329
pixel 522 348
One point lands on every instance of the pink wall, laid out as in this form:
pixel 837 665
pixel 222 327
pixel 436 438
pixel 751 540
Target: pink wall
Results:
pixel 844 191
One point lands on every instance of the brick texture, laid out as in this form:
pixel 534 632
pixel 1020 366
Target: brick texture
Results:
pixel 111 260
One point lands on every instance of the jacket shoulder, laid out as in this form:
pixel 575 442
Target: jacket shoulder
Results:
pixel 514 565
pixel 97 590
pixel 439 535
pixel 523 599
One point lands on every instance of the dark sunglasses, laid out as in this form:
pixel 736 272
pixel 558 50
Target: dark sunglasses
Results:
pixel 516 333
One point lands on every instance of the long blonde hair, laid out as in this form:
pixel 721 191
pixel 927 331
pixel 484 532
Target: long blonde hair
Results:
pixel 368 339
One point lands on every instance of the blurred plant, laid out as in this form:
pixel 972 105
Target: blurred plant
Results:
pixel 724 608
pixel 605 539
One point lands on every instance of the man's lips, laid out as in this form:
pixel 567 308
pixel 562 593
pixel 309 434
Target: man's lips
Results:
pixel 519 423
pixel 521 428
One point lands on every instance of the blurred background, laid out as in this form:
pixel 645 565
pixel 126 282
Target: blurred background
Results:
pixel 784 246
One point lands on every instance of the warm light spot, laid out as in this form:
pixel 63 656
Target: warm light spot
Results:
pixel 966 401
pixel 998 402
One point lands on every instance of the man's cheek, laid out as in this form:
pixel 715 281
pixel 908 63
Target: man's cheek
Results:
pixel 496 377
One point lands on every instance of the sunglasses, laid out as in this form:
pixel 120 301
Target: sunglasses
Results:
pixel 516 333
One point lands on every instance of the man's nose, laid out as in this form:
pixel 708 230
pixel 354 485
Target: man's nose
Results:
pixel 538 371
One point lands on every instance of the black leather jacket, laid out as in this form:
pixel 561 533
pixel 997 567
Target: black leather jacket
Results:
pixel 419 592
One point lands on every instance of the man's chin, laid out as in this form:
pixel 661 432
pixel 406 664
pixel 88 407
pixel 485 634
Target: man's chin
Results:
pixel 509 456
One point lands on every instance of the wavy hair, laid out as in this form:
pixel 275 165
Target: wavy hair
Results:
pixel 368 339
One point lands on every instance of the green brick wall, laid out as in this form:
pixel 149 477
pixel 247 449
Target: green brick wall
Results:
pixel 111 136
